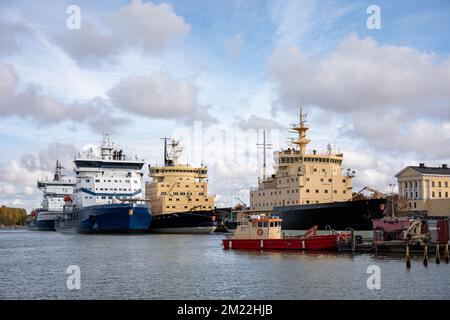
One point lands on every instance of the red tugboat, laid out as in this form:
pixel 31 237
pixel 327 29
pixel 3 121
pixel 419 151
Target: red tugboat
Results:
pixel 264 233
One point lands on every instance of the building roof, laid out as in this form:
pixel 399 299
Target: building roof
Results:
pixel 431 170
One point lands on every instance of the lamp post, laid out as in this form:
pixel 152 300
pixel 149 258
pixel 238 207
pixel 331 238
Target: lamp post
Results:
pixel 392 185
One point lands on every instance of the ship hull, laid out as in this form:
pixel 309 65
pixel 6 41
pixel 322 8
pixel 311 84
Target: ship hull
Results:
pixel 357 215
pixel 108 218
pixel 198 222
pixel 42 225
pixel 44 221
pixel 323 243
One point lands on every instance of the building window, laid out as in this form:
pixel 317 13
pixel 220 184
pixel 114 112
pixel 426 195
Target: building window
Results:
pixel 440 194
pixel 343 180
pixel 417 195
pixel 432 194
pixel 326 191
pixel 317 191
pixel 439 184
pixel 446 194
pixel 446 184
pixel 432 184
pixel 415 205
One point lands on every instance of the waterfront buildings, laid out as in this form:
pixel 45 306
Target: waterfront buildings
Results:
pixel 425 189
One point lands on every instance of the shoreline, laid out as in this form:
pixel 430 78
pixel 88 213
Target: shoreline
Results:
pixel 12 227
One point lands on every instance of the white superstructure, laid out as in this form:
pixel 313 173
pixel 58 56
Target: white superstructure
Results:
pixel 107 178
pixel 55 190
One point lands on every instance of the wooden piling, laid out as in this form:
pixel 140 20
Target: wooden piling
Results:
pixel 438 255
pixel 408 258
pixel 425 255
pixel 446 254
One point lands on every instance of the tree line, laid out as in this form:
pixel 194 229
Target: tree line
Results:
pixel 12 216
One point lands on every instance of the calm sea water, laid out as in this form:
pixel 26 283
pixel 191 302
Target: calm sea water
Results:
pixel 33 265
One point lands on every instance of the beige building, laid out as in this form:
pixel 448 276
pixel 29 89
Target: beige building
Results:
pixel 426 189
pixel 302 177
pixel 178 187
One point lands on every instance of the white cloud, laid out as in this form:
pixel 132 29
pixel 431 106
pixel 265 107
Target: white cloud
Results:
pixel 88 45
pixel 7 189
pixel 13 172
pixel 151 26
pixel 158 96
pixel 255 122
pixel 31 103
pixel 393 99
pixel 146 27
pixel 45 159
pixel 361 75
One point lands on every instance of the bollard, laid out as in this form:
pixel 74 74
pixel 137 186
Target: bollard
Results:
pixel 438 255
pixel 425 256
pixel 446 253
pixel 408 258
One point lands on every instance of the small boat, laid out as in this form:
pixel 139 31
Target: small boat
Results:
pixel 264 233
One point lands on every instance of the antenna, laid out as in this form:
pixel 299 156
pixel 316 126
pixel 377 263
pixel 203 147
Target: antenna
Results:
pixel 166 155
pixel 264 146
pixel 58 171
pixel 301 130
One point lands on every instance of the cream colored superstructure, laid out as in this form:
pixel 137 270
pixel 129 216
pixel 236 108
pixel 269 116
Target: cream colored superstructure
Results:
pixel 303 178
pixel 425 189
pixel 258 227
pixel 178 188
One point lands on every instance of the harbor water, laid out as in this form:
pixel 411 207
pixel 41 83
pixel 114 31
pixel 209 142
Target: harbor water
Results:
pixel 33 265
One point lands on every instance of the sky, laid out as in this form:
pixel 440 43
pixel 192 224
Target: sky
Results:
pixel 215 74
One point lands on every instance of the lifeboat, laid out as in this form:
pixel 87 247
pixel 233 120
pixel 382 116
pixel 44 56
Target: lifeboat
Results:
pixel 264 233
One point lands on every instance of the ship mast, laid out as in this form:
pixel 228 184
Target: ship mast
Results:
pixel 58 171
pixel 265 146
pixel 166 155
pixel 175 150
pixel 301 129
pixel 106 147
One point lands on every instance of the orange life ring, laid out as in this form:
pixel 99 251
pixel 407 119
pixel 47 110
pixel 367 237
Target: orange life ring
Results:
pixel 259 232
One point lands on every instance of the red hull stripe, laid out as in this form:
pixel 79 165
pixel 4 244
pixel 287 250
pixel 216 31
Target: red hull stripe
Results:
pixel 327 242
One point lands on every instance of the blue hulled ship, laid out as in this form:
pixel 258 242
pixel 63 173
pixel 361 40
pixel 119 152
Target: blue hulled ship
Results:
pixel 108 194
pixel 43 218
